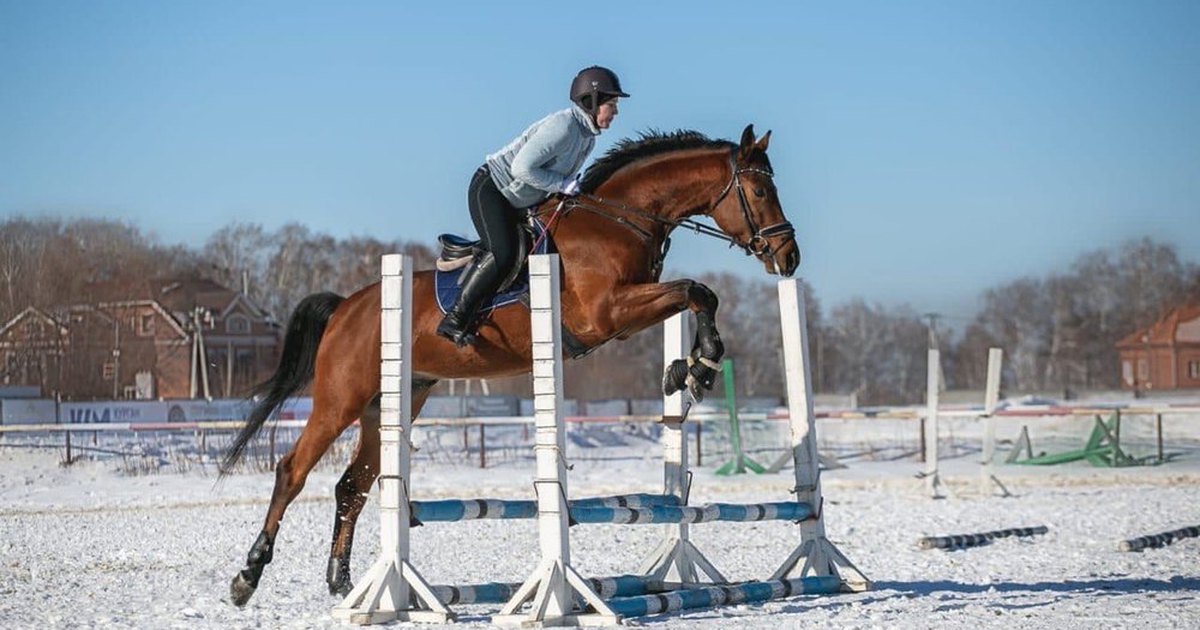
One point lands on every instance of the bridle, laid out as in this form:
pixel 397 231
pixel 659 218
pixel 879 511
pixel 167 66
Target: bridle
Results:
pixel 757 245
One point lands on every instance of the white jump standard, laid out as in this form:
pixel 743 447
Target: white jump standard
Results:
pixel 393 589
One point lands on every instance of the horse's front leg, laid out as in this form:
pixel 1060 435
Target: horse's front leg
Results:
pixel 641 306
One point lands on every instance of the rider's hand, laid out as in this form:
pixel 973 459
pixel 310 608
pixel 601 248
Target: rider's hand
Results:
pixel 570 186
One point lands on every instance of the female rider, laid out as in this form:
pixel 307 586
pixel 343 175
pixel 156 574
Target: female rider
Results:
pixel 544 160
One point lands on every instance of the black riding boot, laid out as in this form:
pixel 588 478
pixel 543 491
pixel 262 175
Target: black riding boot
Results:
pixel 459 323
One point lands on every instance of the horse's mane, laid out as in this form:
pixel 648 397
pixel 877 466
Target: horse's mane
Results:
pixel 648 144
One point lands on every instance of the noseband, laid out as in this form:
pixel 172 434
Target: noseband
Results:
pixel 757 245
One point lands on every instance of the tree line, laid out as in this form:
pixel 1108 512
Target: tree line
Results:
pixel 1058 331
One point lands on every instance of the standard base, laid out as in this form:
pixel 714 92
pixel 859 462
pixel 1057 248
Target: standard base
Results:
pixel 819 557
pixel 678 563
pixel 551 592
pixel 386 594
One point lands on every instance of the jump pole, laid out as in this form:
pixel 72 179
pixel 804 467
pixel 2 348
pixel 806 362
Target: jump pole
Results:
pixel 962 541
pixel 1155 541
pixel 393 589
pixel 554 587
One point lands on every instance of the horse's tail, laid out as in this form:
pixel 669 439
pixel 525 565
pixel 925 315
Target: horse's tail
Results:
pixel 297 364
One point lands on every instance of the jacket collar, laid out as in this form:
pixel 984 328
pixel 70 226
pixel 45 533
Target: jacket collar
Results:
pixel 585 119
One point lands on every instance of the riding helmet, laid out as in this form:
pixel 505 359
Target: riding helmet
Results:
pixel 592 85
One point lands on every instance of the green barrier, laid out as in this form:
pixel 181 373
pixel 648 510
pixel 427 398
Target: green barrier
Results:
pixel 1103 449
pixel 740 463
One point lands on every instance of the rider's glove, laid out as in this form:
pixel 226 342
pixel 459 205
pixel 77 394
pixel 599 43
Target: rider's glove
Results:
pixel 570 186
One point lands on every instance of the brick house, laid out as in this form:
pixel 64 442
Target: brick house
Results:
pixel 145 347
pixel 1164 356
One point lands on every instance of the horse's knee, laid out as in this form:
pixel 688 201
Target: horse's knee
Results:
pixel 289 479
pixel 283 469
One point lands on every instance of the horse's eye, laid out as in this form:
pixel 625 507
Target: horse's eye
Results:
pixel 758 192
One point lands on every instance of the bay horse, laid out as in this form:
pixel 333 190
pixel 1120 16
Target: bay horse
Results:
pixel 611 241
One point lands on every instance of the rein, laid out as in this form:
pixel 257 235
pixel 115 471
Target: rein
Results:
pixel 757 245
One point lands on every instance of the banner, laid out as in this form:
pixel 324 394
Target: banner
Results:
pixel 27 411
pixel 113 412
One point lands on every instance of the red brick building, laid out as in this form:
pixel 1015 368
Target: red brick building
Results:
pixel 146 347
pixel 1164 356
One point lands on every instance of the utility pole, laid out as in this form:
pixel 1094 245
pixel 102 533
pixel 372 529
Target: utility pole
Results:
pixel 932 327
pixel 199 355
pixel 116 354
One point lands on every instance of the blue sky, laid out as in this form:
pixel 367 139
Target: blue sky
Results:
pixel 925 150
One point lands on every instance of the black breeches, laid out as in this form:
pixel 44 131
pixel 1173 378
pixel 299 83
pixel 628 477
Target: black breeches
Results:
pixel 495 219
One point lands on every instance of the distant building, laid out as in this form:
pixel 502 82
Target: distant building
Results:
pixel 175 338
pixel 1164 356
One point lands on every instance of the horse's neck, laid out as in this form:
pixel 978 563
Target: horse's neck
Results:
pixel 673 186
pixel 670 187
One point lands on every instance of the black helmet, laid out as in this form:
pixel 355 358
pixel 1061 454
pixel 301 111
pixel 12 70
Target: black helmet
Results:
pixel 592 84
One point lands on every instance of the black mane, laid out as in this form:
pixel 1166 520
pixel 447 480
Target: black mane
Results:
pixel 647 144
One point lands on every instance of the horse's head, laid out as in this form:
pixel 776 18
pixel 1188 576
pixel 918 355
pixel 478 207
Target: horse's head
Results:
pixel 748 210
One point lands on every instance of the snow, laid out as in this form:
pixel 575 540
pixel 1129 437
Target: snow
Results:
pixel 89 545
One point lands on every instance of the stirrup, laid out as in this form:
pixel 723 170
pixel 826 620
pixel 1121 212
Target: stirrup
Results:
pixel 461 336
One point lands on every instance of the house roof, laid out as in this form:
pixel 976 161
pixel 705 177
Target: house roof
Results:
pixel 1163 331
pixel 180 295
pixel 35 313
pixel 177 295
pixel 174 320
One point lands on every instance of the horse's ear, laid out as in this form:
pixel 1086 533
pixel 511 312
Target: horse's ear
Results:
pixel 747 143
pixel 762 143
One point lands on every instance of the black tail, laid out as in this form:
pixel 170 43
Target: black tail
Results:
pixel 295 371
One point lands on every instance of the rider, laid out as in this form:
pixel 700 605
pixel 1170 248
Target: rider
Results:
pixel 544 160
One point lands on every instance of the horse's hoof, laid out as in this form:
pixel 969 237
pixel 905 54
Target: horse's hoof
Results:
pixel 241 589
pixel 338 577
pixel 675 377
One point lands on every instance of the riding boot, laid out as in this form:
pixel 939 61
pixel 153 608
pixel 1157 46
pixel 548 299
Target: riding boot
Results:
pixel 459 323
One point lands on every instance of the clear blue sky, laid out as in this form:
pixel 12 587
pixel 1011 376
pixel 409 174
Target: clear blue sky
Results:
pixel 925 150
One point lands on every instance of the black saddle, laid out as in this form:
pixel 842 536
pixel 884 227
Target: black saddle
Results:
pixel 458 252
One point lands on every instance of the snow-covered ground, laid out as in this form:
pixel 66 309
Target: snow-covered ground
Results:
pixel 91 545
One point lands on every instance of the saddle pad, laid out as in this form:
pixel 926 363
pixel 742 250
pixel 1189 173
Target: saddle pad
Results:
pixel 446 282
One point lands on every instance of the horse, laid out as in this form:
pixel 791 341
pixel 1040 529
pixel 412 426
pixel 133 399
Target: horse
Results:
pixel 611 240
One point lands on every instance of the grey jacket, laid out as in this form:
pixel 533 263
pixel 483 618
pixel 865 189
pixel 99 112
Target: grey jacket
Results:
pixel 532 167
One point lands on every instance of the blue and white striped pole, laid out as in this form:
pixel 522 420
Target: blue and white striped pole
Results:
pixel 709 596
pixel 1155 541
pixel 450 510
pixel 962 541
pixel 694 514
pixel 500 592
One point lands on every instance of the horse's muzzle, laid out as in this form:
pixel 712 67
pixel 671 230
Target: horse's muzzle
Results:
pixel 783 261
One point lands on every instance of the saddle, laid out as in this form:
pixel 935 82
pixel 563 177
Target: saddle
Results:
pixel 458 252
